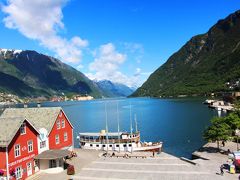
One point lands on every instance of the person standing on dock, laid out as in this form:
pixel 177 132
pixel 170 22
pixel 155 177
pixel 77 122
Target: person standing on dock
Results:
pixel 223 143
pixel 221 170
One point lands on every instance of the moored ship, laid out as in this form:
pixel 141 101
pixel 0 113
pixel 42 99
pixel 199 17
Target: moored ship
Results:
pixel 117 141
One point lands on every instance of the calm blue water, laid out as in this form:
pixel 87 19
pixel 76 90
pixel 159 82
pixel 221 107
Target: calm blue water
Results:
pixel 178 123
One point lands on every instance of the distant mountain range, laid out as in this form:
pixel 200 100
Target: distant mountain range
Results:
pixel 31 74
pixel 111 89
pixel 204 64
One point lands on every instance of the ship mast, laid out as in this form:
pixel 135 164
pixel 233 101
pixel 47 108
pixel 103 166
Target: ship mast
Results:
pixel 118 127
pixel 106 125
pixel 135 118
pixel 131 125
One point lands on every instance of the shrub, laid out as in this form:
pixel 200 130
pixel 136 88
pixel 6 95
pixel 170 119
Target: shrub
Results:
pixel 1 172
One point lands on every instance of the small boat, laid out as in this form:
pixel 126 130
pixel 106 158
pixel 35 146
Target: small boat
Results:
pixel 116 141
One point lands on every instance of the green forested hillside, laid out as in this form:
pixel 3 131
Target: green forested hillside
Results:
pixel 30 74
pixel 203 65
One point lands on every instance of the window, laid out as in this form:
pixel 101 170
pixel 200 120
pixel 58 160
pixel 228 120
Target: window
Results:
pixel 30 146
pixel 42 144
pixel 42 136
pixel 17 150
pixel 23 129
pixel 90 145
pixel 36 163
pixel 110 145
pixel 117 145
pixel 52 163
pixel 130 145
pixel 57 139
pixel 58 124
pixel 124 145
pixel 60 163
pixel 18 172
pixel 63 123
pixel 65 136
pixel 103 145
pixel 97 145
pixel 29 169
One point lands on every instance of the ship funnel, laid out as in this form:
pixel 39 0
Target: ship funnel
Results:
pixel 103 132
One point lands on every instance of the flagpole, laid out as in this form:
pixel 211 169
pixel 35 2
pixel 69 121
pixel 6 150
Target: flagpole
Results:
pixel 135 118
pixel 118 127
pixel 131 125
pixel 106 125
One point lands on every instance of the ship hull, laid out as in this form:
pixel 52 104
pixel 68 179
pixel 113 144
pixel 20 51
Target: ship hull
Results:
pixel 123 147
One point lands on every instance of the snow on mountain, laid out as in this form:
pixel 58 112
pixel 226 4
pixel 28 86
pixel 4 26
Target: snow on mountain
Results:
pixel 10 51
pixel 112 89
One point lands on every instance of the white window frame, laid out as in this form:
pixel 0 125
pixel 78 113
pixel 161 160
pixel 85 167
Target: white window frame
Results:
pixel 63 123
pixel 17 150
pixel 23 129
pixel 57 140
pixel 30 146
pixel 65 136
pixel 58 124
pixel 18 172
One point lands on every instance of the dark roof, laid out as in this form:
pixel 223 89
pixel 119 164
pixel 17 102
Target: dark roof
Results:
pixel 8 129
pixel 53 154
pixel 42 117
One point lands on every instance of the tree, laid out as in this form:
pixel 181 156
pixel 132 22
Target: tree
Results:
pixel 219 130
pixel 237 107
pixel 233 120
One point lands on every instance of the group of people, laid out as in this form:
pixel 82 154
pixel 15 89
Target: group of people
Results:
pixel 73 154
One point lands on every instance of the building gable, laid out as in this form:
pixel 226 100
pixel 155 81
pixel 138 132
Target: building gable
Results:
pixel 22 140
pixel 61 131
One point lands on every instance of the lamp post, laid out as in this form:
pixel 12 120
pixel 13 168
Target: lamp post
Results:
pixel 106 125
pixel 118 128
pixel 131 127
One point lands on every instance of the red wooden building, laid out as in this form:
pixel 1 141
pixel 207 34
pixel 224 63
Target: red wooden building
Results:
pixel 28 136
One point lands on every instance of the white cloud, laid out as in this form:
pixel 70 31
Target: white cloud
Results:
pixel 134 47
pixel 80 67
pixel 41 20
pixel 107 59
pixel 106 65
pixel 138 72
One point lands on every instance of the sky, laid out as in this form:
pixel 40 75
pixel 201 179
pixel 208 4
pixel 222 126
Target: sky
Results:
pixel 120 40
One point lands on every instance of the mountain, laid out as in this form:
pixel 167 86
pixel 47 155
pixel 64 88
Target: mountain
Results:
pixel 111 89
pixel 205 64
pixel 31 74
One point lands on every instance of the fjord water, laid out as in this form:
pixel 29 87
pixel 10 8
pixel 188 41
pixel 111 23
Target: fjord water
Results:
pixel 178 123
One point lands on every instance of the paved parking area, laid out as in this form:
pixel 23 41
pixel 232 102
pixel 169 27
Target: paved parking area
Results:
pixel 89 165
pixel 163 166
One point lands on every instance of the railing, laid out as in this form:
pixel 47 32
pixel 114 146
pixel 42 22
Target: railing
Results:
pixel 112 141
